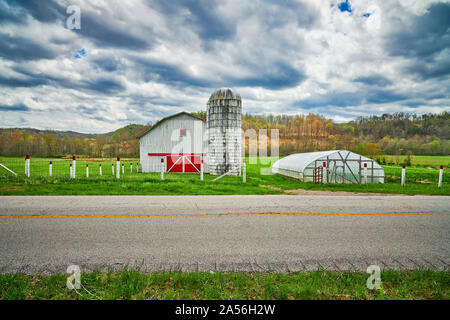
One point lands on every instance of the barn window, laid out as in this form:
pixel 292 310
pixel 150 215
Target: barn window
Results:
pixel 182 132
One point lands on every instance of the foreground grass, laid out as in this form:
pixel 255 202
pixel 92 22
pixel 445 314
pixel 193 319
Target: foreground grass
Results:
pixel 320 284
pixel 418 181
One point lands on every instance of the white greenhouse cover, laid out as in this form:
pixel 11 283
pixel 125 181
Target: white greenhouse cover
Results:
pixel 299 161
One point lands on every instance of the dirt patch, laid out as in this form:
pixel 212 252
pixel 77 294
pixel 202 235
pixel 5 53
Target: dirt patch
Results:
pixel 271 187
pixel 322 192
pixel 17 188
pixel 332 193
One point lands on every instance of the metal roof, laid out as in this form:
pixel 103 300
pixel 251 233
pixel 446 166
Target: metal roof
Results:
pixel 170 117
pixel 224 94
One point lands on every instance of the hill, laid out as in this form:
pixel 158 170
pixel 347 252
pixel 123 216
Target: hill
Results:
pixel 55 133
pixel 131 131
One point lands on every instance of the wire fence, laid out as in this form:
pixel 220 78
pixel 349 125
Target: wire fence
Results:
pixel 84 167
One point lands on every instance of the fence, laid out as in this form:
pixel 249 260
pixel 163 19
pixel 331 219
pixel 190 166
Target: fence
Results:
pixel 82 167
pixel 90 168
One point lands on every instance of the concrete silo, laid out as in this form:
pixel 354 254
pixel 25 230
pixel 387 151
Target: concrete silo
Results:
pixel 224 132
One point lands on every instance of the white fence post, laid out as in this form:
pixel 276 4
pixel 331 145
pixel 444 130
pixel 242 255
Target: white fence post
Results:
pixel 27 165
pixel 137 166
pixel 162 168
pixel 244 174
pixel 50 169
pixel 201 170
pixel 100 169
pixel 131 167
pixel 112 169
pixel 324 166
pixel 441 172
pixel 365 173
pixel 403 175
pixel 74 166
pixel 71 171
pixel 118 168
pixel 87 170
pixel 123 168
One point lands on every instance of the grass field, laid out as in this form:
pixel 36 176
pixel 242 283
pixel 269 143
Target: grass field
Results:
pixel 61 167
pixel 319 284
pixel 420 161
pixel 419 180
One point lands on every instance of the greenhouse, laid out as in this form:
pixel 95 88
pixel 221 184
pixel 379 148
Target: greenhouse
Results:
pixel 335 166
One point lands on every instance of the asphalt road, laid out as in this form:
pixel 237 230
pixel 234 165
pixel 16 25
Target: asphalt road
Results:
pixel 209 233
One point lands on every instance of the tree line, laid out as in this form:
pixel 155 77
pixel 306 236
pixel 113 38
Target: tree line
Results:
pixel 391 134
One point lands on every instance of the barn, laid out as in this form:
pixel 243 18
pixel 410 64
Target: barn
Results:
pixel 182 141
pixel 179 140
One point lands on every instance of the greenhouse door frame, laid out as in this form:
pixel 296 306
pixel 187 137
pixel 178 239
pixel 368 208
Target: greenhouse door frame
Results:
pixel 332 175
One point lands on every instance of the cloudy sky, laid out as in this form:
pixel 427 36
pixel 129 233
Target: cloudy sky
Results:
pixel 136 61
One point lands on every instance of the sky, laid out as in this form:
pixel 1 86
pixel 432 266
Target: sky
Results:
pixel 137 61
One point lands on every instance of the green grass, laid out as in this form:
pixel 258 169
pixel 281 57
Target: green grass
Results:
pixel 129 284
pixel 61 167
pixel 418 181
pixel 420 161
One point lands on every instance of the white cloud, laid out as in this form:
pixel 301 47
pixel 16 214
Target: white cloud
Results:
pixel 149 59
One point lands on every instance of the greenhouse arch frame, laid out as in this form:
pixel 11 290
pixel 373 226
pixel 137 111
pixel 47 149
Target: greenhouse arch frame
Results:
pixel 335 166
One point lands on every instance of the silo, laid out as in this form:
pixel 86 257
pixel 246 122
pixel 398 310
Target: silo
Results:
pixel 224 132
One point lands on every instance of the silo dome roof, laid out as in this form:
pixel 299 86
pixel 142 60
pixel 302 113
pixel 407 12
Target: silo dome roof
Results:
pixel 225 93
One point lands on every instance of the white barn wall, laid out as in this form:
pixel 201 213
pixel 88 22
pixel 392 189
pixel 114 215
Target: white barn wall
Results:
pixel 165 138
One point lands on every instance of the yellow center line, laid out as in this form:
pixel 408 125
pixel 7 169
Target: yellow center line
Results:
pixel 225 214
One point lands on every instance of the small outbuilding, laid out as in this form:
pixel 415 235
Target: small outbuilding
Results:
pixel 334 166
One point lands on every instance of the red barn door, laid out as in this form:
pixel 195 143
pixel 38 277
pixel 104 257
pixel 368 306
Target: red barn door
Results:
pixel 174 164
pixel 192 164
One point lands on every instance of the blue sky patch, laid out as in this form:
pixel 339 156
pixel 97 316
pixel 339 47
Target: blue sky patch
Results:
pixel 345 6
pixel 80 53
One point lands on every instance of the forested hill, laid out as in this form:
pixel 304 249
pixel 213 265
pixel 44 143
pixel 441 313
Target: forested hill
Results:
pixel 131 131
pixel 404 125
pixel 121 142
pixel 55 133
pixel 398 133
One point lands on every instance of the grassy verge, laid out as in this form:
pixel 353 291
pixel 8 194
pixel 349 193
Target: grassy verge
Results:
pixel 418 181
pixel 320 284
